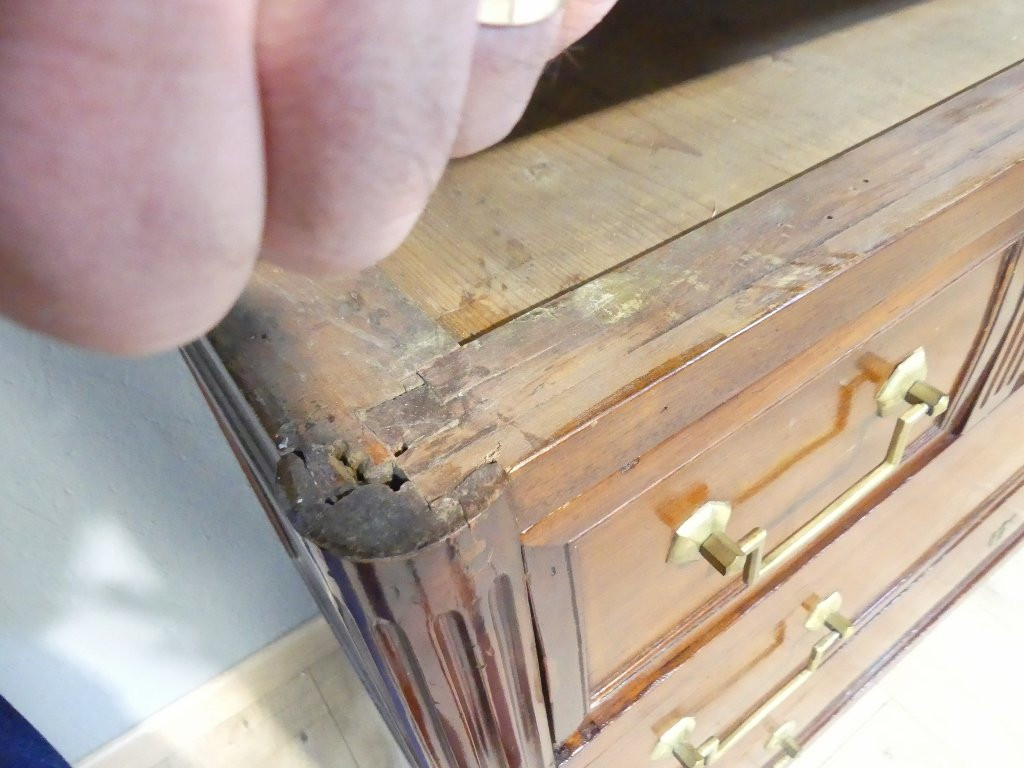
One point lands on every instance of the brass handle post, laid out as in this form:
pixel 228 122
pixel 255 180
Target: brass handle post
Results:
pixel 703 535
pixel 678 740
pixel 784 740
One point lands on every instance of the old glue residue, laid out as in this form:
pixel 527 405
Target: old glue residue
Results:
pixel 609 300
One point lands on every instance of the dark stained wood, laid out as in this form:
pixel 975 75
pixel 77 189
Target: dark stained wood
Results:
pixel 559 625
pixel 876 565
pixel 451 624
pixel 272 345
pixel 998 317
pixel 777 470
pixel 806 445
pixel 259 458
pixel 310 354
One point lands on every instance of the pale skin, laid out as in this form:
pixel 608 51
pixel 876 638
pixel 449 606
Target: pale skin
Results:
pixel 151 152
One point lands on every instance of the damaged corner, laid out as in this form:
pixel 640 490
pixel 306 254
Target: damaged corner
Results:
pixel 347 504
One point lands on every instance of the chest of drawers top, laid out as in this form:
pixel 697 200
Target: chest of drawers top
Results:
pixel 700 193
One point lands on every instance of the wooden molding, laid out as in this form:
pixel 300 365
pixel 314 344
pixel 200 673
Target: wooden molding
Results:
pixel 157 737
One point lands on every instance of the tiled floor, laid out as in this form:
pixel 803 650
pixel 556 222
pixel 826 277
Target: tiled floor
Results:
pixel 952 701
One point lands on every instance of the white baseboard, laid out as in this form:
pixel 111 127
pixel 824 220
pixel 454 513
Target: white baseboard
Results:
pixel 158 737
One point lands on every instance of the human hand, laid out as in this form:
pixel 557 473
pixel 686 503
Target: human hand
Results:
pixel 150 152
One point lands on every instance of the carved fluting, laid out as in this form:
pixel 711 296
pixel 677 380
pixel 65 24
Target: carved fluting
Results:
pixel 1006 370
pixel 1007 375
pixel 449 629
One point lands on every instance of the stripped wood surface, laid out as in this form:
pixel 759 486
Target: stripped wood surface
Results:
pixel 682 110
pixel 572 391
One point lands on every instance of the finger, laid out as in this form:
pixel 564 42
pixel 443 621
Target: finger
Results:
pixel 507 62
pixel 361 103
pixel 131 182
pixel 580 17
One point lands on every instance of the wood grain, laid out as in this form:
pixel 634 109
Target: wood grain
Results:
pixel 1004 372
pixel 809 440
pixel 873 564
pixel 965 406
pixel 777 470
pixel 563 358
pixel 574 518
pixel 568 394
pixel 676 111
pixel 309 354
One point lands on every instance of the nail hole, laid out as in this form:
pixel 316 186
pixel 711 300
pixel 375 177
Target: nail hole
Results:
pixel 397 480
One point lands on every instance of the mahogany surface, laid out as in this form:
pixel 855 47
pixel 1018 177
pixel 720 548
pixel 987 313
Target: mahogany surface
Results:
pixel 895 570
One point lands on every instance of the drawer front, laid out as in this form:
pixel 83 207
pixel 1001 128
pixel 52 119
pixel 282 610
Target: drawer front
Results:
pixel 777 471
pixel 872 648
pixel 892 568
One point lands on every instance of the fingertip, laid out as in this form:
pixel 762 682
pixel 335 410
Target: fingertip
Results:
pixel 131 153
pixel 122 312
pixel 507 63
pixel 343 243
pixel 579 18
pixel 361 102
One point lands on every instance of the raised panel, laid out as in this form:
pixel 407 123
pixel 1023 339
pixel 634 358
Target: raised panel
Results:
pixel 610 610
pixel 893 569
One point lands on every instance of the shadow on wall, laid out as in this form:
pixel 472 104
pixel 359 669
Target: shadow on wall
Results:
pixel 135 562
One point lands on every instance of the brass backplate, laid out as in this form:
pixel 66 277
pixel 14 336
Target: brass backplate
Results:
pixel 892 394
pixel 680 733
pixel 711 517
pixel 823 611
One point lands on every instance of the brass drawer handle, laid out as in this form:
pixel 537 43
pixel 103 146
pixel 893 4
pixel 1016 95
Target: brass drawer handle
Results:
pixel 678 740
pixel 703 534
pixel 784 740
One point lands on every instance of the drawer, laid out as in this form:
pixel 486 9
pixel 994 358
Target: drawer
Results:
pixel 776 470
pixel 610 610
pixel 876 565
pixel 810 708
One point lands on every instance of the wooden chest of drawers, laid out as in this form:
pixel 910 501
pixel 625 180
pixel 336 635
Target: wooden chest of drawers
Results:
pixel 684 410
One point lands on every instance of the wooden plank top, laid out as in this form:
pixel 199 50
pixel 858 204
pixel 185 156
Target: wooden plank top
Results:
pixel 573 381
pixel 593 378
pixel 683 110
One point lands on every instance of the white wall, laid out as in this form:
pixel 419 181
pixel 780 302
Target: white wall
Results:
pixel 135 563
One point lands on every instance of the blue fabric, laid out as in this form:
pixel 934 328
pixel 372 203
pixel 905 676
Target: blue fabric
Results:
pixel 21 746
